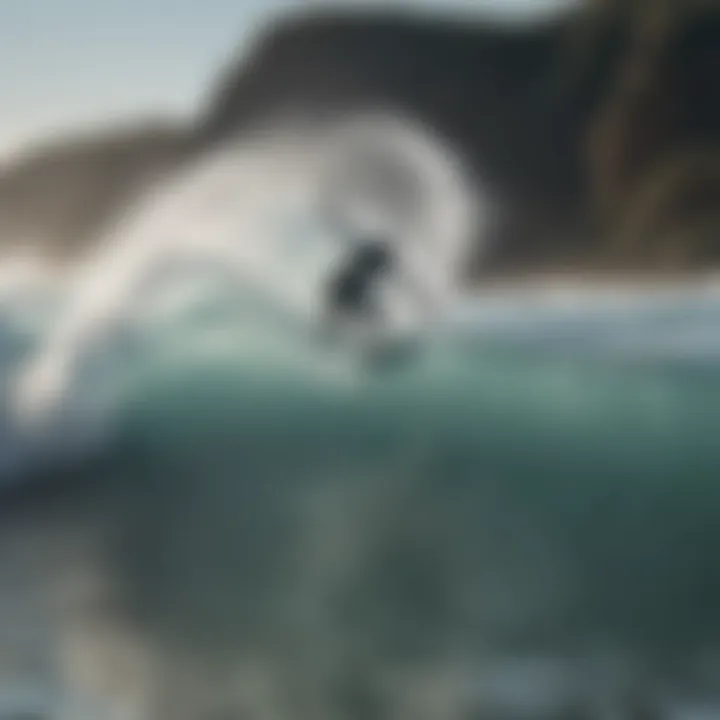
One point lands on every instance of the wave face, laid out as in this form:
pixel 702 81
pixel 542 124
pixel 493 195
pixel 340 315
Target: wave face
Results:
pixel 540 476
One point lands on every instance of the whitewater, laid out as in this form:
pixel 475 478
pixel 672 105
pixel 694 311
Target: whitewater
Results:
pixel 223 266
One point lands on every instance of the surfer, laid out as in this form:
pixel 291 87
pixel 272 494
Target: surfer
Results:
pixel 354 306
pixel 351 292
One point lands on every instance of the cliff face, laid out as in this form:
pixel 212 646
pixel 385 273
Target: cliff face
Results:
pixel 560 119
pixel 654 149
pixel 60 197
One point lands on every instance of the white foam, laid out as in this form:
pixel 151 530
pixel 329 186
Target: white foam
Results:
pixel 235 215
pixel 226 260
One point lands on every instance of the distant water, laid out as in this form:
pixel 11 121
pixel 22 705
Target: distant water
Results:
pixel 556 456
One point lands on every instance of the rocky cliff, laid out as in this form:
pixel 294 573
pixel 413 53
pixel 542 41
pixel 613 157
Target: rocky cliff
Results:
pixel 58 197
pixel 561 119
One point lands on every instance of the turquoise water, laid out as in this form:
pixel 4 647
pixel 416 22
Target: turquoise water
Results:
pixel 491 493
pixel 529 484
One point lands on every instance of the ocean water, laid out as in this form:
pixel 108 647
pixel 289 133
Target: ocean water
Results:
pixel 540 474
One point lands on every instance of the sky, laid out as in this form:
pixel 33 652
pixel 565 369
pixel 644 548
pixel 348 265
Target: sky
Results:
pixel 67 64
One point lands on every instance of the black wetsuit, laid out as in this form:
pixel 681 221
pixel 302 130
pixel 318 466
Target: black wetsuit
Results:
pixel 350 291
